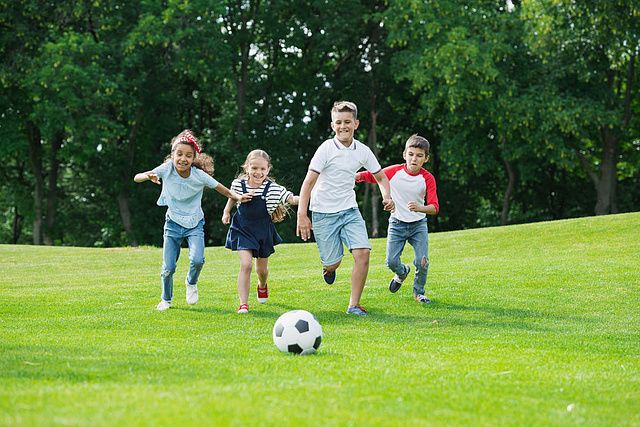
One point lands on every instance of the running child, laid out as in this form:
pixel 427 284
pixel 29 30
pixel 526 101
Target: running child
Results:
pixel 414 191
pixel 252 233
pixel 183 176
pixel 328 192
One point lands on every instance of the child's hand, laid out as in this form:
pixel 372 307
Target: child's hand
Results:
pixel 246 197
pixel 153 178
pixel 389 205
pixel 226 218
pixel 303 227
pixel 413 206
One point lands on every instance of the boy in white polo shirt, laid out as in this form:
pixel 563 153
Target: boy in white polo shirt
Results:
pixel 414 191
pixel 328 192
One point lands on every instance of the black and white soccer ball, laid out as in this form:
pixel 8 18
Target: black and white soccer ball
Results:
pixel 297 331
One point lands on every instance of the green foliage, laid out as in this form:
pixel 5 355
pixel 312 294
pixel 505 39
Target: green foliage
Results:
pixel 529 325
pixel 532 86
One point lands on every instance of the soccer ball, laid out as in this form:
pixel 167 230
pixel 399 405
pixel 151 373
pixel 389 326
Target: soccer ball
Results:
pixel 297 331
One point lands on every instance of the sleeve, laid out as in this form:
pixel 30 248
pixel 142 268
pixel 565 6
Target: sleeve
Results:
pixel 370 162
pixel 163 170
pixel 368 177
pixel 236 186
pixel 207 179
pixel 319 160
pixel 432 195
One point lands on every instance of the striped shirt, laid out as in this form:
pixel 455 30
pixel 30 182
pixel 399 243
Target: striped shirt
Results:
pixel 276 194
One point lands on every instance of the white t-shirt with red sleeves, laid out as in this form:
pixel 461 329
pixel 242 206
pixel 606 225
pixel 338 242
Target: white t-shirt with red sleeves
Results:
pixel 337 166
pixel 407 187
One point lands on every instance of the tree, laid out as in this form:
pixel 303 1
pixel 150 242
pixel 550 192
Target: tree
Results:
pixel 591 50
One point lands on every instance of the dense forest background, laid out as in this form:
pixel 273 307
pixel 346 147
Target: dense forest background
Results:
pixel 531 106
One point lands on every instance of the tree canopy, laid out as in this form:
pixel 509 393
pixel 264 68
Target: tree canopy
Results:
pixel 531 107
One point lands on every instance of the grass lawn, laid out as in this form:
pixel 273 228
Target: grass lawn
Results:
pixel 535 324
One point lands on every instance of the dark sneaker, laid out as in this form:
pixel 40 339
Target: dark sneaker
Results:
pixel 329 276
pixel 358 310
pixel 422 299
pixel 396 282
pixel 263 294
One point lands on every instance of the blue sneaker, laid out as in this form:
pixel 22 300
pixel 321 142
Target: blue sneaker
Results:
pixel 358 310
pixel 396 282
pixel 329 277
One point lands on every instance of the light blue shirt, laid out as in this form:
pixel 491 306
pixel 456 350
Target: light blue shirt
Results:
pixel 183 196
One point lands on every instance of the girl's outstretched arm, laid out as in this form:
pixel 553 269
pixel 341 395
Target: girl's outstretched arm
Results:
pixel 232 195
pixel 147 176
pixel 293 200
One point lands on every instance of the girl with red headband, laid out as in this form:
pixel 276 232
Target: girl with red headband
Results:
pixel 183 176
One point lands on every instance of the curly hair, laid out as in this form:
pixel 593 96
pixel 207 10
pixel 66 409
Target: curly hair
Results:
pixel 201 160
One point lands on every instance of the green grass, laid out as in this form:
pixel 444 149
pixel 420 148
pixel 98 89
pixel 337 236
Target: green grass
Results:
pixel 535 324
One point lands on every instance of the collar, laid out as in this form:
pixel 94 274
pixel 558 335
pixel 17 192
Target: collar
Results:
pixel 341 146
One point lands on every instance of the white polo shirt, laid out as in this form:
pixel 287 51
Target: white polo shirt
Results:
pixel 337 166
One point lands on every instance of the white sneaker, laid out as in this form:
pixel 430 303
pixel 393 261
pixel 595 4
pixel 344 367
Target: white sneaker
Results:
pixel 163 305
pixel 192 294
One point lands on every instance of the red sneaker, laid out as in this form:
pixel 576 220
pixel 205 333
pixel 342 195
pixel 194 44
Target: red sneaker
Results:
pixel 263 294
pixel 244 308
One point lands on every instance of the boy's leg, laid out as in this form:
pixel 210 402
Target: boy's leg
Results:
pixel 358 274
pixel 244 276
pixel 354 235
pixel 396 239
pixel 326 231
pixel 195 239
pixel 419 239
pixel 170 255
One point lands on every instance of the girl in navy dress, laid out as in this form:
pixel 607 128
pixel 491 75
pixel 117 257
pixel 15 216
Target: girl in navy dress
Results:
pixel 252 233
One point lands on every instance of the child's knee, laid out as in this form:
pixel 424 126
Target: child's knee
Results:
pixel 167 272
pixel 197 261
pixel 423 264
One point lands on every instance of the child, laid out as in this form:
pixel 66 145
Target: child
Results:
pixel 328 191
pixel 252 232
pixel 184 175
pixel 410 187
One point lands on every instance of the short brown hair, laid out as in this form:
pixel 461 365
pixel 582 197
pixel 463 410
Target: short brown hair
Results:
pixel 417 141
pixel 345 106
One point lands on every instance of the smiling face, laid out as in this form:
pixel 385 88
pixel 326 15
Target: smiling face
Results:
pixel 257 170
pixel 182 158
pixel 344 124
pixel 414 157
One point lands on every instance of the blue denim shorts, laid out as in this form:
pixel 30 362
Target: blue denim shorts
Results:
pixel 331 230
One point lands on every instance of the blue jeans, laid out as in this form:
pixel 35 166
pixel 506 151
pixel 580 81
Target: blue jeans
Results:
pixel 417 234
pixel 174 234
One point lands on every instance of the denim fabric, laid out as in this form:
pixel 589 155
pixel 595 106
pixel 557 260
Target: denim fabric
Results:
pixel 331 230
pixel 417 234
pixel 174 234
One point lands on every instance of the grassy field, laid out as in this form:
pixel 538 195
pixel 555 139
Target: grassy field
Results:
pixel 535 324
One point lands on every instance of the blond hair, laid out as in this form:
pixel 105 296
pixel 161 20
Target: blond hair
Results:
pixel 282 210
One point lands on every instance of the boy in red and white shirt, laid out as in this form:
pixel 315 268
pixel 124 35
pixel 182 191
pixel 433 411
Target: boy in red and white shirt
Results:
pixel 413 191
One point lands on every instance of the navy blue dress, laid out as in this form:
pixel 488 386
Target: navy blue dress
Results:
pixel 251 227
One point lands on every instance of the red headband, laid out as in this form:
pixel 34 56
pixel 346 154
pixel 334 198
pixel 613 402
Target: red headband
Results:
pixel 190 139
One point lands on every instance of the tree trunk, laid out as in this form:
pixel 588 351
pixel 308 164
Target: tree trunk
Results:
pixel 52 195
pixel 16 226
pixel 607 180
pixel 373 137
pixel 125 216
pixel 123 193
pixel 508 192
pixel 35 157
